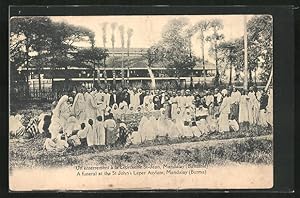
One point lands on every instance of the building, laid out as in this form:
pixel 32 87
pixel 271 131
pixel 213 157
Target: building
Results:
pixel 133 63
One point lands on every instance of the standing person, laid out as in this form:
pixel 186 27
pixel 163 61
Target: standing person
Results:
pixel 180 100
pixel 91 106
pixel 174 105
pixel 113 98
pixel 110 131
pixel 90 134
pixel 235 100
pixel 243 109
pixel 79 106
pixel 120 96
pixel 217 101
pixel 253 107
pixel 157 103
pixel 106 97
pixel 57 122
pixel 167 106
pixel 99 132
pixel 100 99
pixel 201 115
pixel 126 96
pixel 134 98
pixel 262 120
pixel 269 107
pixel 142 96
pixel 209 100
pixel 224 113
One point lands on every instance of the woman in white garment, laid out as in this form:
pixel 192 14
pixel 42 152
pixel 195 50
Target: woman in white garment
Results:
pixel 224 113
pixel 201 115
pixel 57 123
pixel 79 106
pixel 91 106
pixel 244 109
pixel 143 131
pixel 262 120
pixel 187 122
pixel 179 122
pixel 162 124
pixel 253 107
pixel 269 107
pixel 116 111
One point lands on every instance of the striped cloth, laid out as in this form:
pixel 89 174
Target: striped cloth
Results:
pixel 32 127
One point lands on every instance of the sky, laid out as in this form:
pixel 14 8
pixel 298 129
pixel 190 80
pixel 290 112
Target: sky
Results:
pixel 147 29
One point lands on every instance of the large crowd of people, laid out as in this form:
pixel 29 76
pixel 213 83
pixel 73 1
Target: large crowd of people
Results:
pixel 96 117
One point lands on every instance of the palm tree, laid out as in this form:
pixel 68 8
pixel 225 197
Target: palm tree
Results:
pixel 202 27
pixel 113 27
pixel 215 38
pixel 104 25
pixel 121 29
pixel 129 35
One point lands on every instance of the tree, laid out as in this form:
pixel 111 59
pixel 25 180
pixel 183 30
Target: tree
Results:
pixel 216 25
pixel 230 56
pixel 104 26
pixel 175 51
pixel 113 27
pixel 121 29
pixel 202 27
pixel 260 46
pixel 129 35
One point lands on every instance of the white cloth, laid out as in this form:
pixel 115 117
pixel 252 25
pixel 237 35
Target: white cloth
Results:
pixel 79 107
pixel 99 131
pixel 236 96
pixel 224 112
pixel 91 107
pixel 243 109
pixel 234 125
pixel 90 137
pixel 135 99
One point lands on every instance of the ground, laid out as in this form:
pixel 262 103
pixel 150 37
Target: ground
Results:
pixel 253 145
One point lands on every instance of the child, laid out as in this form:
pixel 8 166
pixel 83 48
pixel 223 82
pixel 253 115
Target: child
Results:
pixel 90 133
pixel 110 126
pixel 99 132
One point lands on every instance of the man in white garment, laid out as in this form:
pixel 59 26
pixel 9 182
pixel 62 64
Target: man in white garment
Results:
pixel 100 101
pixel 134 98
pixel 106 97
pixel 235 101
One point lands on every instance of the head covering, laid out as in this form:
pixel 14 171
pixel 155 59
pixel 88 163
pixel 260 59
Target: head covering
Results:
pixel 60 102
pixel 224 92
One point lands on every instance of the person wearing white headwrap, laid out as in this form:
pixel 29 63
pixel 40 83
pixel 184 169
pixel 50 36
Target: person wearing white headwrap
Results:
pixel 187 121
pixel 224 113
pixel 100 100
pixel 143 129
pixel 116 111
pixel 253 107
pixel 130 110
pixel 79 106
pixel 57 120
pixel 244 108
pixel 179 122
pixel 162 126
pixel 201 116
pixel 91 106
pixel 71 125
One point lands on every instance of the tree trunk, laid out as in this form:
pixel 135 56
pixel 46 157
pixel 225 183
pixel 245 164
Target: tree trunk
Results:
pixel 203 60
pixel 230 75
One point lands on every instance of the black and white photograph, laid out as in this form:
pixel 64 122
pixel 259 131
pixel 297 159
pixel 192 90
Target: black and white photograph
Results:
pixel 140 102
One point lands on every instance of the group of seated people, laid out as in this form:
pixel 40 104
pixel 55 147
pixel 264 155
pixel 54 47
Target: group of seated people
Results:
pixel 99 118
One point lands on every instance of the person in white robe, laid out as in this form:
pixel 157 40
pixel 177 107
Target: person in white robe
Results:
pixel 79 106
pixel 99 132
pixel 142 130
pixel 233 125
pixel 269 108
pixel 57 144
pixel 57 122
pixel 134 98
pixel 243 107
pixel 209 101
pixel 162 124
pixel 151 127
pixel 235 100
pixel 179 122
pixel 110 131
pixel 201 115
pixel 187 121
pixel 100 100
pixel 71 125
pixel 253 107
pixel 174 105
pixel 16 128
pixel 106 97
pixel 224 113
pixel 91 106
pixel 90 133
pixel 116 111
